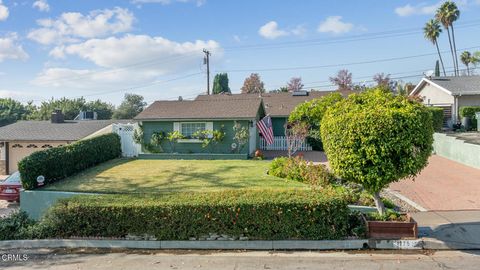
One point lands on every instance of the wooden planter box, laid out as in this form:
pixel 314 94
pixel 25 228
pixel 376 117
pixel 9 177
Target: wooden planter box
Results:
pixel 392 229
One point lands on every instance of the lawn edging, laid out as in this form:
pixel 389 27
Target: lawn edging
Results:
pixel 193 156
pixel 416 244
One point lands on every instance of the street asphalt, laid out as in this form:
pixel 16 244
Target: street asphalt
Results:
pixel 96 259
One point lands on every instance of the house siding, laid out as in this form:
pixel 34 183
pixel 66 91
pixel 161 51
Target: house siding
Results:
pixel 468 101
pixel 224 147
pixel 278 125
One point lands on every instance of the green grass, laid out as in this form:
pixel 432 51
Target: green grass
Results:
pixel 165 176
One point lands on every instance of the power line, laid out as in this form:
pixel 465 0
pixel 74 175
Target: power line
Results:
pixel 343 64
pixel 134 87
pixel 361 37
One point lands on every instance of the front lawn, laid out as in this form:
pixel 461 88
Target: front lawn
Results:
pixel 160 176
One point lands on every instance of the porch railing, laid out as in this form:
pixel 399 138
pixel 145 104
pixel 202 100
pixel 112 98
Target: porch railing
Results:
pixel 280 144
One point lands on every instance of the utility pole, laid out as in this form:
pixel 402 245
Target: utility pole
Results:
pixel 206 61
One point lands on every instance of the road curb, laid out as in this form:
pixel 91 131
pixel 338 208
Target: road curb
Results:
pixel 216 245
pixel 407 200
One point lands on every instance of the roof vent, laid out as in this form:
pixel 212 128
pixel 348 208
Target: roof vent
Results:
pixel 88 115
pixel 57 117
pixel 299 93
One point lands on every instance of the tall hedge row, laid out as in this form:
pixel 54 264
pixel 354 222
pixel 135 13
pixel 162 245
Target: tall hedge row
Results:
pixel 437 117
pixel 60 162
pixel 256 214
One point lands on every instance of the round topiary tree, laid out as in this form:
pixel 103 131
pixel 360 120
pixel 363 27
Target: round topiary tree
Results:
pixel 375 138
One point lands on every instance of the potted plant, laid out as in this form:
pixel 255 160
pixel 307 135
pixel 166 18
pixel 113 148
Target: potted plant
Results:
pixel 391 226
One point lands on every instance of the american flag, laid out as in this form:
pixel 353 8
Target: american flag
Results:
pixel 265 127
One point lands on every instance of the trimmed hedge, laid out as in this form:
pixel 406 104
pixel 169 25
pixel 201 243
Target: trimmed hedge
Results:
pixel 437 117
pixel 298 169
pixel 257 214
pixel 60 162
pixel 469 111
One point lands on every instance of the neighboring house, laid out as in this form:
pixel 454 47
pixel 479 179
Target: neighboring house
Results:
pixel 190 116
pixel 449 93
pixel 22 138
pixel 278 106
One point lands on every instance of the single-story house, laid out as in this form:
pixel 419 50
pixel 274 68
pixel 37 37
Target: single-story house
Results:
pixel 190 116
pixel 278 106
pixel 22 138
pixel 449 93
pixel 212 112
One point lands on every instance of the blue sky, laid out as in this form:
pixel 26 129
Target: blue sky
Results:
pixel 104 49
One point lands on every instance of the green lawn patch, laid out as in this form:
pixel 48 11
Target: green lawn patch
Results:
pixel 165 176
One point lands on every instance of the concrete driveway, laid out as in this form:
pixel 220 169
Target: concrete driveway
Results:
pixel 443 185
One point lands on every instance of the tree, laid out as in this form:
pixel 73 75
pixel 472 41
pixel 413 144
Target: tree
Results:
pixel 253 84
pixel 295 134
pixel 431 32
pixel 467 59
pixel 131 105
pixel 69 107
pixel 104 110
pixel 447 14
pixel 437 68
pixel 376 138
pixel 384 82
pixel 295 84
pixel 11 111
pixel 282 89
pixel 220 84
pixel 311 113
pixel 343 80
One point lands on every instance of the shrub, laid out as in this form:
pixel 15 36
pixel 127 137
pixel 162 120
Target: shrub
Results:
pixel 14 226
pixel 311 112
pixel 376 138
pixel 437 117
pixel 257 214
pixel 298 169
pixel 60 162
pixel 469 111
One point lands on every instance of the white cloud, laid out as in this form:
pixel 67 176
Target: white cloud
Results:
pixel 167 2
pixel 71 26
pixel 41 5
pixel 3 11
pixel 335 25
pixel 270 31
pixel 419 9
pixel 128 59
pixel 10 49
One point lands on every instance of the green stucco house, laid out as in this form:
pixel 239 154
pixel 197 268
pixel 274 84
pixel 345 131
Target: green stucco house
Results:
pixel 190 116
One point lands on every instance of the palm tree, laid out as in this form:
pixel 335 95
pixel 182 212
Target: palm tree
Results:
pixel 448 13
pixel 466 58
pixel 432 31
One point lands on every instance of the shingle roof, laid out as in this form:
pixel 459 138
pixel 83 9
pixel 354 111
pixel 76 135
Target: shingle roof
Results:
pixel 462 85
pixel 47 131
pixel 276 104
pixel 202 109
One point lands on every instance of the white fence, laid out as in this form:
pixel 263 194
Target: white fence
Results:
pixel 280 143
pixel 125 131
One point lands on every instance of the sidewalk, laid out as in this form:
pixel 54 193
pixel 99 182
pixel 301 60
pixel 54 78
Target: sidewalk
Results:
pixel 453 229
pixel 443 185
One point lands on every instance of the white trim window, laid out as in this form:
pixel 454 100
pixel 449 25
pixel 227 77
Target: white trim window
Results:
pixel 187 129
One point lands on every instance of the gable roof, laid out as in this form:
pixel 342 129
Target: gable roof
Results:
pixel 202 109
pixel 461 85
pixel 276 104
pixel 47 131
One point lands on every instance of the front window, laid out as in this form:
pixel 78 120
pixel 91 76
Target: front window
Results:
pixel 188 129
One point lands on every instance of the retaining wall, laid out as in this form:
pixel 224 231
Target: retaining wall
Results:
pixel 457 150
pixel 36 202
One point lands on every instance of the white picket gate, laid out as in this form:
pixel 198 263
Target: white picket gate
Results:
pixel 129 147
pixel 280 144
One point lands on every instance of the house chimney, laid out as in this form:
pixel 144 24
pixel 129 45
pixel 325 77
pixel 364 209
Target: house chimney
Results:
pixel 57 117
